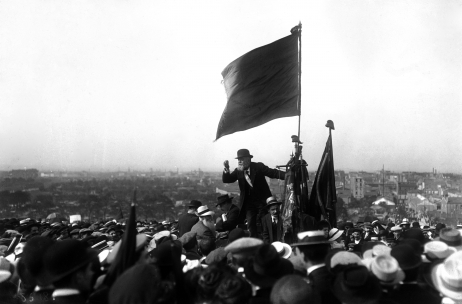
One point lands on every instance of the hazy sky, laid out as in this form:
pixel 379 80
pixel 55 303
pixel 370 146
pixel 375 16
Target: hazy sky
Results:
pixel 102 85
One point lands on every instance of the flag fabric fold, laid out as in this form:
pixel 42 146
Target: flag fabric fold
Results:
pixel 323 197
pixel 261 85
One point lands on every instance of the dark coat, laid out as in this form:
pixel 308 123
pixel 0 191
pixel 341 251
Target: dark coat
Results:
pixel 414 293
pixel 74 299
pixel 258 172
pixel 232 219
pixel 369 235
pixel 186 222
pixel 267 224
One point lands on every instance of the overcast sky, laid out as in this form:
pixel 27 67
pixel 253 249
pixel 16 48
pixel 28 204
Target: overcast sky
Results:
pixel 102 85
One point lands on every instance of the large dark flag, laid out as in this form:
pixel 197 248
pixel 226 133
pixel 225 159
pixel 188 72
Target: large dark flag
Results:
pixel 323 196
pixel 261 85
pixel 126 256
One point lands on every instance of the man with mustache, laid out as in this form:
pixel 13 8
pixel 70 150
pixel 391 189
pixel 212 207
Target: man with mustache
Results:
pixel 253 186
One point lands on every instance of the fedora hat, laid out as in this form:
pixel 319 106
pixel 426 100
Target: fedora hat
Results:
pixel 283 249
pixel 204 211
pixel 223 199
pixel 272 201
pixel 447 276
pixel 65 257
pixel 243 153
pixel 267 267
pixel 386 269
pixel 195 204
pixel 437 250
pixel 311 238
pixel 356 284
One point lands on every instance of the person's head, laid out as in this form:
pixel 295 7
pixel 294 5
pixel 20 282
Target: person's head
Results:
pixel 274 210
pixel 293 289
pixel 70 264
pixel 209 281
pixel 233 289
pixel 396 231
pixel 243 159
pixel 224 202
pixel 193 205
pixel 325 227
pixel 312 248
pixel 34 229
pixel 367 228
pixel 356 234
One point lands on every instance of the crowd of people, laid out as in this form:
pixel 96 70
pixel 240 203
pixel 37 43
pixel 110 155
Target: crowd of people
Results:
pixel 200 260
pixel 241 256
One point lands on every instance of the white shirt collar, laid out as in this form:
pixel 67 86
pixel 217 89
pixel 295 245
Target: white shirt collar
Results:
pixel 313 268
pixel 63 292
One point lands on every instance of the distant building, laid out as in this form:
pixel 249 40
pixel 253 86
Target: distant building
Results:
pixel 357 186
pixel 26 173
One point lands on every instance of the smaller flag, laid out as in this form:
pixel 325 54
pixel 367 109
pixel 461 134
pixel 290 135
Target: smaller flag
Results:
pixel 323 194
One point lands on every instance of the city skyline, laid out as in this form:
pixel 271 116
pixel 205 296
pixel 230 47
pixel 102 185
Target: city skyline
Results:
pixel 107 85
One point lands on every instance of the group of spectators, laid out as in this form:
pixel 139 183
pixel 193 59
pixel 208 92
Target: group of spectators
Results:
pixel 199 259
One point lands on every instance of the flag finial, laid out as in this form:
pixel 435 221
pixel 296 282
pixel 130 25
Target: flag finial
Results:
pixel 330 124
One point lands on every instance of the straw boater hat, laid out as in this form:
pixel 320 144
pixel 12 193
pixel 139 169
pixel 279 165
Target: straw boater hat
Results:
pixel 204 211
pixel 270 201
pixel 452 237
pixel 405 222
pixel 396 229
pixel 334 234
pixel 387 270
pixel 311 238
pixel 436 250
pixel 283 249
pixel 447 276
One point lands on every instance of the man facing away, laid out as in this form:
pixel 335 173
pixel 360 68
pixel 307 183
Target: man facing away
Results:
pixel 253 186
pixel 189 219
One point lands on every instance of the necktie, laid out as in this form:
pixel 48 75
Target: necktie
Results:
pixel 247 178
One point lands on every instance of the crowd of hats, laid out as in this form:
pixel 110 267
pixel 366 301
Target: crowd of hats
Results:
pixel 34 254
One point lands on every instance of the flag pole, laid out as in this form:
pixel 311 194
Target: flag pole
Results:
pixel 299 75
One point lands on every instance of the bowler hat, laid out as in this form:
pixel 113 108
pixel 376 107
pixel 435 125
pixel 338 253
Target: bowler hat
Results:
pixel 223 199
pixel 65 257
pixel 272 201
pixel 267 267
pixel 195 204
pixel 406 256
pixel 243 153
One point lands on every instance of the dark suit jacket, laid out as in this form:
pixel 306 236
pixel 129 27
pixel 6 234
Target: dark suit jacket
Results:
pixel 267 223
pixel 258 171
pixel 203 231
pixel 413 293
pixel 232 218
pixel 186 222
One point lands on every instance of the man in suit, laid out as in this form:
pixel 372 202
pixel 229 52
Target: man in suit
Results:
pixel 272 222
pixel 205 227
pixel 310 252
pixel 357 242
pixel 229 219
pixel 253 186
pixel 189 219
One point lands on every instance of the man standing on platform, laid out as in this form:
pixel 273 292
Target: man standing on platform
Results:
pixel 253 186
